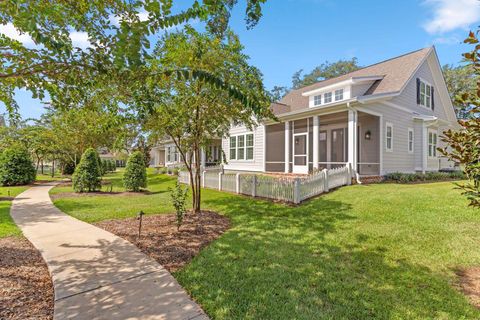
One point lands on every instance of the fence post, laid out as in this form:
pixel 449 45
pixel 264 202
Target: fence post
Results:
pixel 220 181
pixel 349 174
pixel 296 190
pixel 203 178
pixel 325 175
pixel 237 183
pixel 254 185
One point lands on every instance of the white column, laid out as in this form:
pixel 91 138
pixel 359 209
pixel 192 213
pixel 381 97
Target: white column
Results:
pixel 203 158
pixel 352 138
pixel 287 146
pixel 424 147
pixel 316 128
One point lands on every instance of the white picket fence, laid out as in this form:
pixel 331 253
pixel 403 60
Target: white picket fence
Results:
pixel 284 188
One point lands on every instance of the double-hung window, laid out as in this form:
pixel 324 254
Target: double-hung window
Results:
pixel 410 140
pixel 426 93
pixel 339 95
pixel 327 97
pixel 432 144
pixel 389 137
pixel 241 147
pixel 317 100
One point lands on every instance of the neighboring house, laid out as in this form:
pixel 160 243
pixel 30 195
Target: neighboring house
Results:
pixel 383 118
pixel 165 154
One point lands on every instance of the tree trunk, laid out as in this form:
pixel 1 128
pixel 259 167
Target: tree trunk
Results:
pixel 42 166
pixel 197 195
pixel 53 168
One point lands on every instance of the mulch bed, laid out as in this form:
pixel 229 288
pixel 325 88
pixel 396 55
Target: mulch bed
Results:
pixel 26 290
pixel 470 284
pixel 160 239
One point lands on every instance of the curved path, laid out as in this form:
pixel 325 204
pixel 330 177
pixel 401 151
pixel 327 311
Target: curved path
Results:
pixel 97 275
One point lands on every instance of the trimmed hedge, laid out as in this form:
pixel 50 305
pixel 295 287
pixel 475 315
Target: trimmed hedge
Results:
pixel 420 177
pixel 16 167
pixel 135 176
pixel 88 174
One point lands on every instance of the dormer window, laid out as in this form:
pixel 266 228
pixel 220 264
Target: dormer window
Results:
pixel 327 97
pixel 317 100
pixel 339 95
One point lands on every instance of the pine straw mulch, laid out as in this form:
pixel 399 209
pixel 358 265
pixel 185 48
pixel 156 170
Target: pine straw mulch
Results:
pixel 160 239
pixel 469 281
pixel 26 290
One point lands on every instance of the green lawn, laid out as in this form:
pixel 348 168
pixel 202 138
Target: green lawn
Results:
pixel 7 226
pixel 383 251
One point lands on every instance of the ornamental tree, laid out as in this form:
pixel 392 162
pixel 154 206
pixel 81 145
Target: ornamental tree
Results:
pixel 16 167
pixel 463 145
pixel 135 176
pixel 87 176
pixel 192 112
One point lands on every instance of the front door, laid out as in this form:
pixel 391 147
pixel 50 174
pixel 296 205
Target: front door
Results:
pixel 300 153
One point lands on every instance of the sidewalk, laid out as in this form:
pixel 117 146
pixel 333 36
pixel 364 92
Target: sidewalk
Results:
pixel 97 275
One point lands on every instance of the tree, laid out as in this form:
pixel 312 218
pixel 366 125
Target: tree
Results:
pixel 119 38
pixel 459 80
pixel 16 167
pixel 135 176
pixel 87 175
pixel 324 71
pixel 194 112
pixel 464 145
pixel 278 92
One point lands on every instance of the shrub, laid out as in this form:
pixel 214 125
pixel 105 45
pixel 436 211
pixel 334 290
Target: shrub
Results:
pixel 104 166
pixel 179 197
pixel 87 175
pixel 163 170
pixel 16 167
pixel 114 165
pixel 135 176
pixel 69 167
pixel 420 177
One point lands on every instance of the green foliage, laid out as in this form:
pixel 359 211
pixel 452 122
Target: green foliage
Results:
pixel 69 167
pixel 87 175
pixel 460 79
pixel 16 167
pixel 420 177
pixel 162 170
pixel 463 145
pixel 179 197
pixel 135 176
pixel 324 71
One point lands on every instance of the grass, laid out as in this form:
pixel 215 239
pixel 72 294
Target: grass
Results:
pixel 48 177
pixel 7 226
pixel 383 251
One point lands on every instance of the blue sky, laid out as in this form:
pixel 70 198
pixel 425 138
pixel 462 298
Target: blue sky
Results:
pixel 301 34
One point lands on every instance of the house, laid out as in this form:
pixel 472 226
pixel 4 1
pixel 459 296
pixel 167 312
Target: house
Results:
pixel 383 118
pixel 165 154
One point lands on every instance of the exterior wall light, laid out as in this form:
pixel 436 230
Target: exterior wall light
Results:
pixel 368 135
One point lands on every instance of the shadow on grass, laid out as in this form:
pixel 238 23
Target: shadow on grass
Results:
pixel 280 262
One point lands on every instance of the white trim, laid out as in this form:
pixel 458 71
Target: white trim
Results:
pixel 434 145
pixel 388 125
pixel 352 138
pixel 244 159
pixel 264 148
pixel 301 168
pixel 316 131
pixel 287 146
pixel 410 130
pixel 350 81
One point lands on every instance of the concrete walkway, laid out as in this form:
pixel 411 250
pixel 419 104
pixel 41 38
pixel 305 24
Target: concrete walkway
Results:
pixel 97 275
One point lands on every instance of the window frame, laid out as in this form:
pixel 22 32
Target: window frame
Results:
pixel 330 96
pixel 247 147
pixel 424 97
pixel 244 148
pixel 410 142
pixel 319 97
pixel 432 143
pixel 388 125
pixel 339 92
pixel 232 138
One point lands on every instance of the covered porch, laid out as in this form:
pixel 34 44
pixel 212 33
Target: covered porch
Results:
pixel 167 155
pixel 325 141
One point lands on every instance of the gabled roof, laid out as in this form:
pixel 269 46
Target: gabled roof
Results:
pixel 396 73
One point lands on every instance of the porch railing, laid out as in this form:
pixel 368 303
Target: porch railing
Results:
pixel 282 188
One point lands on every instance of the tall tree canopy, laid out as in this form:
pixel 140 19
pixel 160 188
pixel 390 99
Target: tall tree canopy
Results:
pixel 324 71
pixel 118 32
pixel 459 80
pixel 193 112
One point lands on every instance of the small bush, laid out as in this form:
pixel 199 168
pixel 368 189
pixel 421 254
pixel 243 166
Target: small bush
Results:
pixel 420 177
pixel 87 175
pixel 114 165
pixel 16 167
pixel 162 170
pixel 179 196
pixel 69 168
pixel 135 176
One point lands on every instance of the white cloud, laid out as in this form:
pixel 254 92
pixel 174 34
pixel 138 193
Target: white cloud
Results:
pixel 449 15
pixel 10 31
pixel 447 40
pixel 80 39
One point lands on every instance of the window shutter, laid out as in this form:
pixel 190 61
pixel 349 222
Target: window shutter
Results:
pixel 418 91
pixel 433 100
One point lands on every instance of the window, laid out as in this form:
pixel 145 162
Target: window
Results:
pixel 233 148
pixel 317 100
pixel 249 147
pixel 172 154
pixel 389 137
pixel 338 94
pixel 426 92
pixel 327 98
pixel 241 147
pixel 432 144
pixel 410 140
